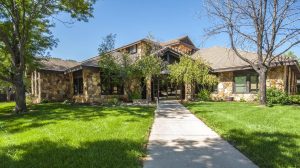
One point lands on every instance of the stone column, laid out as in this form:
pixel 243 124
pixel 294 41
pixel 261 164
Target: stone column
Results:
pixel 188 92
pixel 39 90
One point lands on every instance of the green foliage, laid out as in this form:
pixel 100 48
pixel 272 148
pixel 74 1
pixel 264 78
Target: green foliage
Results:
pixel 295 99
pixel 292 55
pixel 242 100
pixel 148 66
pixel 189 71
pixel 204 95
pixel 44 101
pixel 107 44
pixel 276 96
pixel 25 34
pixel 67 102
pixel 135 95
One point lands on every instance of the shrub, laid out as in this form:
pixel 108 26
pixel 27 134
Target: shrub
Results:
pixel 204 95
pixel 276 96
pixel 44 101
pixel 135 95
pixel 242 100
pixel 295 99
pixel 68 102
pixel 112 101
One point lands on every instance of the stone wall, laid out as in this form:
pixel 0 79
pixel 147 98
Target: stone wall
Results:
pixel 225 86
pixel 275 78
pixel 92 88
pixel 54 86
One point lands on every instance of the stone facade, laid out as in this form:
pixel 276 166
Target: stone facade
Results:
pixel 277 77
pixel 50 85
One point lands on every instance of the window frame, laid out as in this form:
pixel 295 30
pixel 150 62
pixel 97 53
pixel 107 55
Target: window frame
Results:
pixel 132 49
pixel 78 83
pixel 248 76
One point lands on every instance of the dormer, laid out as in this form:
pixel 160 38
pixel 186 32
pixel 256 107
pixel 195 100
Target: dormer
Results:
pixel 183 45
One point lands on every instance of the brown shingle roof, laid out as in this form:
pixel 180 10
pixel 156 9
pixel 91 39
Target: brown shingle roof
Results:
pixel 222 59
pixel 56 64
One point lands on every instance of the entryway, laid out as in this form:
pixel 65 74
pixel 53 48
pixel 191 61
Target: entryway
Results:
pixel 167 90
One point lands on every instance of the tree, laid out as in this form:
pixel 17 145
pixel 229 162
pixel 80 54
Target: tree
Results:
pixel 191 71
pixel 25 33
pixel 129 68
pixel 267 27
pixel 292 55
pixel 119 63
pixel 147 67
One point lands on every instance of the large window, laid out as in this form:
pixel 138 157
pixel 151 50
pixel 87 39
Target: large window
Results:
pixel 111 84
pixel 240 84
pixel 246 83
pixel 78 82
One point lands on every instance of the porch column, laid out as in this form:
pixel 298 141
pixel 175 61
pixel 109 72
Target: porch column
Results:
pixel 188 92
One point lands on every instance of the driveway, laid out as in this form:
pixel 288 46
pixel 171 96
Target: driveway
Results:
pixel 179 139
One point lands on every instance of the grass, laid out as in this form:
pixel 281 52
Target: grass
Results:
pixel 269 136
pixel 57 135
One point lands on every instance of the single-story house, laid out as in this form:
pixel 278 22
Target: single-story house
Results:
pixel 83 82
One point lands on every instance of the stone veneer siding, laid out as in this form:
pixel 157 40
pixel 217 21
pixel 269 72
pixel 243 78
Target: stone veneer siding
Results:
pixel 276 78
pixel 50 85
pixel 92 88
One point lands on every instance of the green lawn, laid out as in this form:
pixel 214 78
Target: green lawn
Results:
pixel 269 136
pixel 57 135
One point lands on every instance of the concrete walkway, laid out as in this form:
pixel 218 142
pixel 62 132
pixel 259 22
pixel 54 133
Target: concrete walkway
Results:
pixel 179 139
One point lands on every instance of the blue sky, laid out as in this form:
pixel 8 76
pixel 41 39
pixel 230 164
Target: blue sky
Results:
pixel 132 20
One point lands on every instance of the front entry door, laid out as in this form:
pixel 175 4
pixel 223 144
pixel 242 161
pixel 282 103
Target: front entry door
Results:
pixel 167 89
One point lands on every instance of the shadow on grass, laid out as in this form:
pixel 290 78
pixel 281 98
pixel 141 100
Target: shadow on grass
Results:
pixel 44 114
pixel 267 149
pixel 105 153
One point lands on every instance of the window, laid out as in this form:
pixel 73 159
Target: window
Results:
pixel 215 88
pixel 132 49
pixel 111 85
pixel 240 84
pixel 78 83
pixel 253 83
pixel 246 83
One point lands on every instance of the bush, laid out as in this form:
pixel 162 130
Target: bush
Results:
pixel 44 101
pixel 295 99
pixel 112 101
pixel 68 102
pixel 242 100
pixel 276 96
pixel 135 95
pixel 204 95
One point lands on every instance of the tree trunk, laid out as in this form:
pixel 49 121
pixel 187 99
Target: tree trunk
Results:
pixel 20 94
pixel 263 87
pixel 8 93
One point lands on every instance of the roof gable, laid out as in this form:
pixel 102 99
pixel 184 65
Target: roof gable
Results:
pixel 185 40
